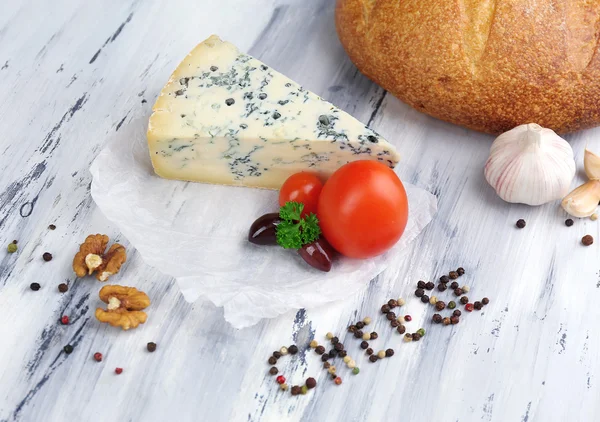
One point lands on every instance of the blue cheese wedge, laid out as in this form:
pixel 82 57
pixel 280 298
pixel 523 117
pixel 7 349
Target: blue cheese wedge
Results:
pixel 226 118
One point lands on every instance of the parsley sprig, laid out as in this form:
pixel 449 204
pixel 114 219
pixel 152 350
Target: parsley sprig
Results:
pixel 295 231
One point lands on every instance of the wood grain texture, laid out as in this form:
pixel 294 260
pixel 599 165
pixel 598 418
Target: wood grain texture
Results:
pixel 79 71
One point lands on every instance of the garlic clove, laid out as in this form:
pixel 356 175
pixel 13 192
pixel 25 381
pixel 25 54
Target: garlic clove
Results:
pixel 583 201
pixel 591 162
pixel 530 165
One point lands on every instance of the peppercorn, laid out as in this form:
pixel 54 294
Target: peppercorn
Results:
pixel 385 308
pixel 389 353
pixel 326 365
pixel 454 285
pixel 407 337
pixel 381 354
pixel 521 223
pixel 314 344
pixel 280 379
pixel 311 383
pixel 421 284
pixel 460 271
pixel 373 358
pixel 296 390
pixel 52 227
pixel 331 369
pixel 369 351
pixel 451 304
pixel 465 288
pixel 62 287
pixel 283 351
pixel 358 334
pixel 352 328
pixel 453 275
pixel 64 320
pixel 416 336
pixel 272 360
pixel 293 349
pixel 419 292
pixel 425 299
pixel 401 329
pixel 118 371
pixel 477 305
pixel 303 389
pixel 276 354
pixel 437 318
pixel 355 370
pixel 440 305
pixel 444 279
pixel 407 318
pixel 284 386
pixel 366 336
pixel 442 287
pixel 273 370
pixel 320 350
pixel 364 345
pixel 374 335
pixel 400 319
pixel 457 313
pixel 587 240
pixel 429 285
pixel 338 346
pixel 35 286
pixel 347 359
pixel 324 357
pixel 342 353
pixel 12 247
pixel 458 291
pixel 454 319
pixel 394 323
pixel 332 353
pixel 446 321
pixel 401 302
pixel 421 332
pixel 337 381
pixel 392 303
pixel 329 336
pixel 47 256
pixel 367 320
pixel 98 357
pixel 469 307
pixel 360 325
pixel 568 222
pixel 390 316
pixel 68 349
pixel 485 301
pixel 464 300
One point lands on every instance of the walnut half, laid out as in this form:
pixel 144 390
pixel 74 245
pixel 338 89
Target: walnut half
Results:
pixel 92 257
pixel 125 305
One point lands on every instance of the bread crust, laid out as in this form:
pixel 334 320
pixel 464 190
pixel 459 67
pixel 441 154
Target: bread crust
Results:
pixel 489 65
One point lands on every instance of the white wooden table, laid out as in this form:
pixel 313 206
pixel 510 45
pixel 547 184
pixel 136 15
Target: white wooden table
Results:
pixel 72 73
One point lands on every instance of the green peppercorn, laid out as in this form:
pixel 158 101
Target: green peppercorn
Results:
pixel 421 332
pixel 355 370
pixel 12 247
pixel 304 389
pixel 451 304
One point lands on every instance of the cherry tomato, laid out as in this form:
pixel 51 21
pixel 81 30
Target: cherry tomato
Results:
pixel 363 209
pixel 302 187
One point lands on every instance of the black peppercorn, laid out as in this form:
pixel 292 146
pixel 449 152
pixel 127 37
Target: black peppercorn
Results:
pixel 47 256
pixel 319 350
pixel 342 353
pixel 62 287
pixel 568 222
pixel 352 328
pixel 440 305
pixel 369 351
pixel 385 308
pixel 324 357
pixel 425 299
pixel 394 323
pixel 389 353
pixel 416 336
pixel 52 227
pixel 454 285
pixel 311 383
pixel 332 353
pixel 458 291
pixel 392 303
pixel 273 370
pixel 335 340
pixel 390 315
pixel 421 284
pixel 151 346
pixel 296 389
pixel 587 240
pixel 276 354
pixel 454 319
pixel 437 318
pixel 457 313
pixel 477 305
pixel 358 334
pixel 374 335
pixel 272 360
pixel 464 300
pixel 401 329
pixel 419 292
pixel 35 286
pixel 360 325
pixel 293 349
pixel 338 346
pixel 429 285
pixel 364 345
pixel 68 349
pixel 485 301
pixel 373 358
pixel 444 279
pixel 326 365
pixel 446 321
pixel 460 271
pixel 521 223
pixel 453 275
pixel 442 287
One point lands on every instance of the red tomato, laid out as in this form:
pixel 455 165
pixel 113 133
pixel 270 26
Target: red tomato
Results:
pixel 302 187
pixel 363 209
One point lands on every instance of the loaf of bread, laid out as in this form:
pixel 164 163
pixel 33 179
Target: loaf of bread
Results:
pixel 489 65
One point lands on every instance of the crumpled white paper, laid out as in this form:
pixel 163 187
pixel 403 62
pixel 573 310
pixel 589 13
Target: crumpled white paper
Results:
pixel 197 233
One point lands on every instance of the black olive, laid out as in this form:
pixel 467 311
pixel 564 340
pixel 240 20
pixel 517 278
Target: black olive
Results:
pixel 318 254
pixel 263 230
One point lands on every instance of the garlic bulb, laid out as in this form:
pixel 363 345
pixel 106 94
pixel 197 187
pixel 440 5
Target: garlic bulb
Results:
pixel 583 201
pixel 530 165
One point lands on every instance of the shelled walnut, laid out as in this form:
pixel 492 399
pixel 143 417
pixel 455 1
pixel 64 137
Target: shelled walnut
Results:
pixel 92 257
pixel 125 305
